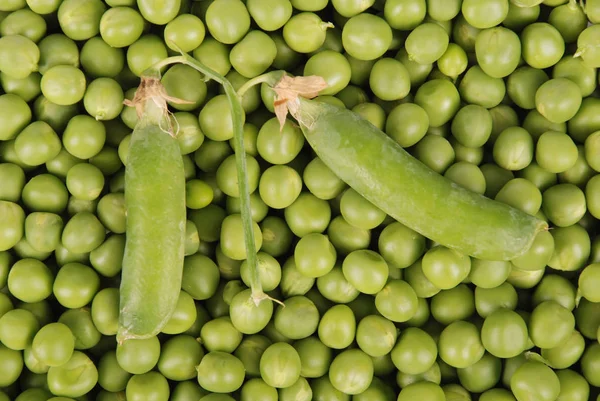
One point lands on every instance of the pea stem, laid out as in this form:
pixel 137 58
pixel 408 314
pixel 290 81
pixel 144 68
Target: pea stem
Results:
pixel 237 117
pixel 270 77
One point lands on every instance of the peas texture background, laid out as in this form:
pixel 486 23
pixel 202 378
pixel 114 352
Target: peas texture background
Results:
pixel 499 96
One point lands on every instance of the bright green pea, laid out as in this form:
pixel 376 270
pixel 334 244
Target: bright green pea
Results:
pixel 404 14
pixel 337 327
pixel 27 88
pixel 63 85
pixel 488 274
pixel 566 354
pixel 435 152
pixel 121 26
pixel 30 280
pixel 513 149
pixel 538 255
pixel 331 66
pixel 558 99
pixel 351 371
pixel 460 344
pixel 453 62
pixel 418 72
pixel 556 152
pixel 535 380
pixel 521 194
pixel 215 119
pixel 103 99
pixel 427 43
pixel 105 311
pixel 254 54
pixel 85 181
pixel 19 56
pixel 467 175
pixel 184 33
pixel 184 83
pixel 407 124
pixel 359 212
pixel 415 351
pixel 11 366
pixel 99 59
pixel 232 235
pixel 564 204
pixel 428 390
pixel 80 20
pixel 53 344
pixel 498 51
pixel 213 54
pixel 13 179
pixel 144 53
pixel 17 328
pixel 366 36
pixel 488 300
pixel 297 318
pixel 457 303
pixel 522 85
pixel 479 88
pixel 270 15
pixel 83 233
pixel 227 20
pixel 280 186
pixel 280 365
pixel 542 45
pixel 538 176
pixel 576 70
pixel 43 230
pixel 366 270
pixel 440 99
pixel 486 14
pixel 57 49
pixel 397 301
pixel 550 324
pixel 37 144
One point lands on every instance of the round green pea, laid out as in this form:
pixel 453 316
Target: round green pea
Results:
pixel 564 204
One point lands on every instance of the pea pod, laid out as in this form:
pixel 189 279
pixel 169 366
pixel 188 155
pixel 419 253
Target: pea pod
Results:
pixel 386 175
pixel 156 216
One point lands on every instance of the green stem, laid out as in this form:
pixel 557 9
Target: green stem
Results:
pixel 270 77
pixel 237 117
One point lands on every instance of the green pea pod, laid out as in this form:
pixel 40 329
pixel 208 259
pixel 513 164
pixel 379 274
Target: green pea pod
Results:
pixel 385 174
pixel 156 217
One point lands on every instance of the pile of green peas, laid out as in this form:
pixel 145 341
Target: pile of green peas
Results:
pixel 499 96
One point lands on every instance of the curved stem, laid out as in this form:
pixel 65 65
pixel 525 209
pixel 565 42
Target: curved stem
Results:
pixel 270 77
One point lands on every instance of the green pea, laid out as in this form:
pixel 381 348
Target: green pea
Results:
pixel 57 49
pixel 351 371
pixel 423 51
pixel 321 181
pixel 17 328
pixel 145 52
pixel 11 366
pixel 146 386
pixel 27 88
pixel 277 237
pixel 580 173
pixel 460 344
pixel 37 144
pixel 586 121
pixel 488 300
pixel 589 364
pixel 487 273
pixel 183 316
pixel 542 45
pixel 407 124
pixel 220 335
pixel 445 268
pixel 337 75
pixel 81 325
pixel 558 99
pixel 213 54
pixel 138 356
pixel 297 318
pixel 567 353
pixel 534 379
pixel 484 15
pixel 280 186
pixel 30 280
pixel 513 149
pixel 453 62
pixel 104 311
pixel 256 388
pixel 53 344
pixel 308 214
pixel 280 365
pixel 75 285
pixel 412 342
pixel 305 32
pixel 574 69
pixel 427 389
pixel 20 56
pixel 555 288
pixel 418 73
pixel 83 233
pixel 179 357
pixel 498 51
pixel 551 324
pixel 521 194
pixel 440 99
pixel 397 301
pixel 540 177
pixel 366 46
pixel 335 287
pixel 188 391
pixel 436 152
pixel 525 279
pixel 111 377
pixel 231 234
pixel 448 306
pixel 573 386
pixel 121 26
pixel 564 204
pixel 421 285
pixel 347 238
pixel 479 88
pixel 523 84
pixel 99 59
pixel 467 175
pixel 519 17
pixel 337 327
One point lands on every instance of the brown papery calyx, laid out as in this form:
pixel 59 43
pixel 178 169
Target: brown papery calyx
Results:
pixel 152 89
pixel 289 89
